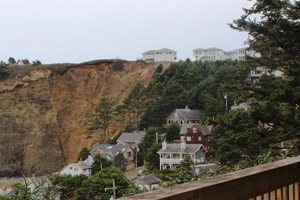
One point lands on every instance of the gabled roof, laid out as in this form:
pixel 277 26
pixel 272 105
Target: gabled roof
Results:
pixel 148 180
pixel 177 148
pixel 109 150
pixel 206 130
pixel 188 114
pixel 134 137
pixel 89 161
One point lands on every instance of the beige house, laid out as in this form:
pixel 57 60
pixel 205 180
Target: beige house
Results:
pixel 184 116
pixel 161 55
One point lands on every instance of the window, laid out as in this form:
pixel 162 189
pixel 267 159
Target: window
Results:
pixel 176 156
pixel 194 130
pixel 199 138
pixel 71 168
pixel 188 139
pixel 75 169
pixel 129 154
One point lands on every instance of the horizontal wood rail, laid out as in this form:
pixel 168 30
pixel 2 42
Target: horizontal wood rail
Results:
pixel 278 180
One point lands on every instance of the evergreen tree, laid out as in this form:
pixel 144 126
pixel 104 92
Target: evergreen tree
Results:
pixel 274 30
pixel 84 154
pixel 102 118
pixel 100 163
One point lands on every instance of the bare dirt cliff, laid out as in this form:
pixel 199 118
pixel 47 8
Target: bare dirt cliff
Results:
pixel 44 112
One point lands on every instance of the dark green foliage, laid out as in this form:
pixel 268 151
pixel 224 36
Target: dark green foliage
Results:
pixel 102 118
pixel 244 139
pixel 239 139
pixel 132 190
pixel 172 132
pixel 120 162
pixel 275 36
pixel 199 85
pixel 134 105
pixel 148 140
pixel 3 71
pixel 94 187
pixel 172 177
pixel 67 184
pixel 152 157
pixel 4 198
pixel 100 163
pixel 36 62
pixel 118 66
pixel 186 164
pixel 11 61
pixel 84 154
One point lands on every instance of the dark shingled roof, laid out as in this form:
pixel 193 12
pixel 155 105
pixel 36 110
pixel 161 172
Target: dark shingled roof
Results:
pixel 148 180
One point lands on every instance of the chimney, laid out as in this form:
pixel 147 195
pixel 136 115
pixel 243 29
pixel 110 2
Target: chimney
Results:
pixel 164 145
pixel 186 107
pixel 183 143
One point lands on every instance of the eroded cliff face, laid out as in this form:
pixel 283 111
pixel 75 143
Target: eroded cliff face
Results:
pixel 44 116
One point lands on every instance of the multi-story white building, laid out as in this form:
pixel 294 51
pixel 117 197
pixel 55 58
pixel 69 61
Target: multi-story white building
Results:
pixel 160 55
pixel 215 54
pixel 171 155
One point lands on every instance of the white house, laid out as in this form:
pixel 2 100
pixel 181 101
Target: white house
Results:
pixel 76 169
pixel 148 182
pixel 160 55
pixel 171 155
pixel 215 54
pixel 184 116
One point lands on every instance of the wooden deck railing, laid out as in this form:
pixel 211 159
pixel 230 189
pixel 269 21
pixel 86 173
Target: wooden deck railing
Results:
pixel 279 180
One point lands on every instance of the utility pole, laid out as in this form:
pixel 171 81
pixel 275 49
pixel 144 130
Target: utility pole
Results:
pixel 226 102
pixel 113 188
pixel 156 137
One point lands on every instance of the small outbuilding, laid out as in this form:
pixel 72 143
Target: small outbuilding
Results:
pixel 148 182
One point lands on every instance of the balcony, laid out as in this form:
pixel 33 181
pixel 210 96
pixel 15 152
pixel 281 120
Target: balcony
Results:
pixel 279 180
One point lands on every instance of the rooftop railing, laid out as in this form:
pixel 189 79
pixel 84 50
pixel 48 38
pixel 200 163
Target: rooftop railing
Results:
pixel 279 180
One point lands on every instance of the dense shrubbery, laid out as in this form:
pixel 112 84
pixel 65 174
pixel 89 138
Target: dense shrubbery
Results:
pixel 199 85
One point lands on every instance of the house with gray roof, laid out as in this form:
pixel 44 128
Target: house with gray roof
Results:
pixel 184 116
pixel 171 155
pixel 161 55
pixel 132 139
pixel 110 151
pixel 197 134
pixel 76 169
pixel 148 182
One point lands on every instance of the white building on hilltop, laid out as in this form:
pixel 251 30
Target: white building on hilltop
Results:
pixel 215 54
pixel 160 55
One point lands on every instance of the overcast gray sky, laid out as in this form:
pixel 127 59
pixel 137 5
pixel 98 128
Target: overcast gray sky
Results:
pixel 80 30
